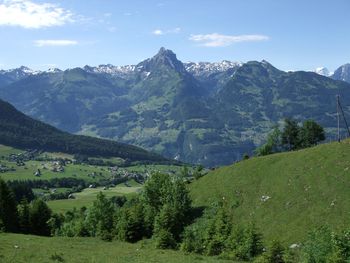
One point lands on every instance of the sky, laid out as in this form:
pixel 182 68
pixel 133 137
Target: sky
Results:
pixel 290 34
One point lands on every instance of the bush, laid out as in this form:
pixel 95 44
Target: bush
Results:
pixel 244 243
pixel 318 246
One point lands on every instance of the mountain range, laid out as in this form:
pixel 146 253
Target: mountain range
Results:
pixel 209 113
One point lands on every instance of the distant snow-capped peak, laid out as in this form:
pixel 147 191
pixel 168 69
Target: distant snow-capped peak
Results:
pixel 53 70
pixel 23 70
pixel 111 69
pixel 322 71
pixel 212 67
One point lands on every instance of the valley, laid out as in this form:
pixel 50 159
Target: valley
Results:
pixel 280 193
pixel 203 113
pixel 66 184
pixel 174 131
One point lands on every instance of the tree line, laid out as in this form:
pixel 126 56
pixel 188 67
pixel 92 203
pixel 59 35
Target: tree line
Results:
pixel 160 212
pixel 292 137
pixel 22 217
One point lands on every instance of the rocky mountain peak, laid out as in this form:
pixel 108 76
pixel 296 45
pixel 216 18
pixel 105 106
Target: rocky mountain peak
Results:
pixel 164 57
pixel 342 73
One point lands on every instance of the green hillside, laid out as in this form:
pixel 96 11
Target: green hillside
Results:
pixel 286 194
pixel 20 131
pixel 33 249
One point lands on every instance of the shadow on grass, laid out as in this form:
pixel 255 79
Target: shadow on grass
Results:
pixel 196 212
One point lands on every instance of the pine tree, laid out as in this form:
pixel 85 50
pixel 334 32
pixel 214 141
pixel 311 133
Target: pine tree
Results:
pixel 130 222
pixel 8 209
pixel 275 253
pixel 164 227
pixel 39 216
pixel 24 214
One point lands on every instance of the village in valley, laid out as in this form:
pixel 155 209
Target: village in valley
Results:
pixel 57 176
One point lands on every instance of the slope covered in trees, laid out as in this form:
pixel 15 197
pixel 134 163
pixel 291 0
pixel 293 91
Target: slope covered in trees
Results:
pixel 21 131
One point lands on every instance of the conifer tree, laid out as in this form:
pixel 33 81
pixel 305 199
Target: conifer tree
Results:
pixel 39 217
pixel 8 209
pixel 100 217
pixel 24 214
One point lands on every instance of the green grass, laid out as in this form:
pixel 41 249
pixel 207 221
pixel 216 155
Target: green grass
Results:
pixel 6 150
pixel 306 188
pixel 131 183
pixel 155 168
pixel 33 249
pixel 88 195
pixel 80 171
pixel 70 170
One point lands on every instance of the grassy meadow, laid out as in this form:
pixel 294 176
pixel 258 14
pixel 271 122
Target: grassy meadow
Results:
pixel 88 195
pixel 33 249
pixel 285 194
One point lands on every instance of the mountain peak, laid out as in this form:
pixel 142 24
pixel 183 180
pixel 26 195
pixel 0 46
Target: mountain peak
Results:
pixel 53 70
pixel 162 49
pixel 164 57
pixel 322 71
pixel 342 73
pixel 266 64
pixel 165 54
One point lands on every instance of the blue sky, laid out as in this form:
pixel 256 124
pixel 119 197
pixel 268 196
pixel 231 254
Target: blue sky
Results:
pixel 292 35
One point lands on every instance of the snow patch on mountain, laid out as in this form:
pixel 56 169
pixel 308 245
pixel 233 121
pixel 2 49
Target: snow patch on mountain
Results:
pixel 117 71
pixel 199 68
pixel 53 70
pixel 323 71
pixel 22 71
pixel 111 69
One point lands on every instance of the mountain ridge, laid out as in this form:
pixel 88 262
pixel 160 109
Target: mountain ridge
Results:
pixel 210 117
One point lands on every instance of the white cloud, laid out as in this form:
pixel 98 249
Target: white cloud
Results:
pixel 159 32
pixel 175 30
pixel 56 42
pixel 218 40
pixel 112 29
pixel 27 14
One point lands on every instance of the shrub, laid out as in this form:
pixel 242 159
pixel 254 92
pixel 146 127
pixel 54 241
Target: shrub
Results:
pixel 164 239
pixel 244 243
pixel 274 254
pixel 318 246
